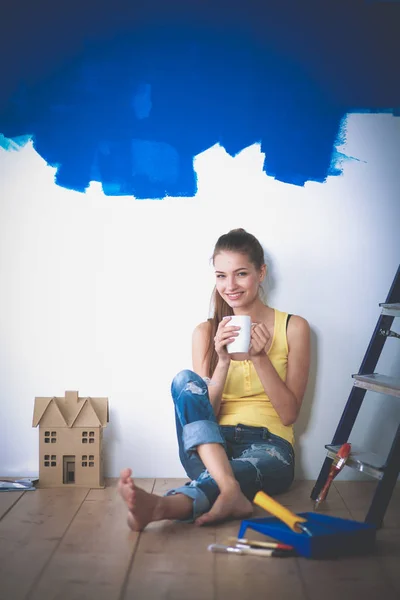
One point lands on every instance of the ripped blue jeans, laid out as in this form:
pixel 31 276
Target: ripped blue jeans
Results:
pixel 259 459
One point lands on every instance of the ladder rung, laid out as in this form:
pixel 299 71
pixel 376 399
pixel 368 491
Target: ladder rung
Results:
pixel 367 462
pixel 378 383
pixel 391 310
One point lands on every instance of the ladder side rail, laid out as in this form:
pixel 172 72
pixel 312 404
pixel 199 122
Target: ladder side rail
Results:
pixel 322 477
pixel 367 366
pixel 356 395
pixel 375 346
pixel 394 293
pixel 349 415
pixel 377 342
pixel 341 434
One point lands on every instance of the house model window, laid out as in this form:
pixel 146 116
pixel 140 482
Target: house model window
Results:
pixel 70 422
pixel 50 460
pixel 85 461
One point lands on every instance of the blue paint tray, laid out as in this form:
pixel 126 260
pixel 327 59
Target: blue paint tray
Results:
pixel 331 537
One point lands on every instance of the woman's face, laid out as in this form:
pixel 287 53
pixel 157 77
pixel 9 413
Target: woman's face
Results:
pixel 237 279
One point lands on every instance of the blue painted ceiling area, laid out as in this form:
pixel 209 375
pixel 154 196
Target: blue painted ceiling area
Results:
pixel 127 93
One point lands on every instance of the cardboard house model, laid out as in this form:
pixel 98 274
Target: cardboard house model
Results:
pixel 70 440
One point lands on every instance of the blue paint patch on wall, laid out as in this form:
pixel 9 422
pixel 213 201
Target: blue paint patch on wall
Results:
pixel 134 94
pixel 141 101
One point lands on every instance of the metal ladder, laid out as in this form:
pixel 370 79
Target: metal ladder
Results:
pixel 367 379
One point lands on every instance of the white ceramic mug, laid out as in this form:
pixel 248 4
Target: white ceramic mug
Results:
pixel 242 341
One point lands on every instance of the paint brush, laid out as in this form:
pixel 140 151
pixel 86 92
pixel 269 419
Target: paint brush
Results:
pixel 250 551
pixel 259 544
pixel 337 465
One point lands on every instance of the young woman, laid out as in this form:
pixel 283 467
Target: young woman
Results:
pixel 234 412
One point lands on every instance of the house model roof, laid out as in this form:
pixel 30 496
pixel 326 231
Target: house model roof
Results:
pixel 70 411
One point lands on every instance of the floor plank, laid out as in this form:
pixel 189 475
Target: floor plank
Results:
pixel 368 577
pixel 172 560
pixel 95 553
pixel 357 495
pixel 29 534
pixel 74 544
pixel 346 578
pixel 7 501
pixel 239 577
pixel 297 498
pixel 284 576
pixel 388 550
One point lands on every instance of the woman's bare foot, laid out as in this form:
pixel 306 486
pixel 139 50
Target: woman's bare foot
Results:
pixel 230 504
pixel 145 507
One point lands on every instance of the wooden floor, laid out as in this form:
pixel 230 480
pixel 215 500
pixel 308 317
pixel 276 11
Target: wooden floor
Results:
pixel 73 544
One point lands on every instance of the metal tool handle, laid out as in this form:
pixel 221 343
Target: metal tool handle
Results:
pixel 276 509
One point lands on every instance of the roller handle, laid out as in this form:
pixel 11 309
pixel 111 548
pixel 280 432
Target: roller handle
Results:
pixel 276 509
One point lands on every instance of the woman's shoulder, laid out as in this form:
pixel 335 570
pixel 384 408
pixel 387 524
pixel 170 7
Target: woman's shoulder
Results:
pixel 298 322
pixel 298 328
pixel 294 321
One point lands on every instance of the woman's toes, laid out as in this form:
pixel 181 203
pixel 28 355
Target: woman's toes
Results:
pixel 125 474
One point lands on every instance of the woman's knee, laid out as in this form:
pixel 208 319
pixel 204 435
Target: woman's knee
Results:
pixel 271 465
pixel 188 380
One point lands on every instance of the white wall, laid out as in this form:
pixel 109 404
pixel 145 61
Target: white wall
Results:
pixel 101 294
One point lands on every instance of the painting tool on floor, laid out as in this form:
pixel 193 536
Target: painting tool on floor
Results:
pixel 26 484
pixel 337 465
pixel 258 543
pixel 246 551
pixel 312 535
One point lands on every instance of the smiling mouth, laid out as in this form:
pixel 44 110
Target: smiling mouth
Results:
pixel 234 296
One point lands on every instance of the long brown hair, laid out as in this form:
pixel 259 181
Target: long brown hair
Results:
pixel 236 240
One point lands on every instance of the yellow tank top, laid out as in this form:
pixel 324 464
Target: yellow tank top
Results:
pixel 244 399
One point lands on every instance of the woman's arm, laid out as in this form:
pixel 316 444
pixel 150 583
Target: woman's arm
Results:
pixel 286 397
pixel 201 364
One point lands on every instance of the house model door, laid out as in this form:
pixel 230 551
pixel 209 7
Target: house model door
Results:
pixel 68 469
